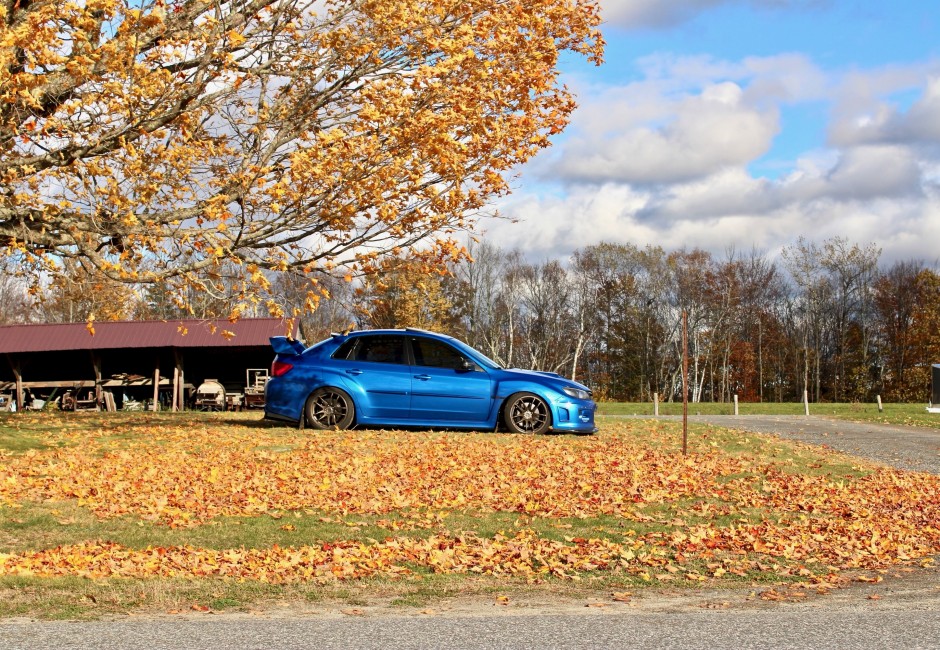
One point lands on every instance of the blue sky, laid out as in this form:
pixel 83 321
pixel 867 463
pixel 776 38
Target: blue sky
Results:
pixel 745 124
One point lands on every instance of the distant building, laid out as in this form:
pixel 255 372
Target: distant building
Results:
pixel 132 362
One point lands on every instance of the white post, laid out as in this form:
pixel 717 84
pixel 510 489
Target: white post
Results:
pixel 880 408
pixel 656 404
pixel 735 404
pixel 806 402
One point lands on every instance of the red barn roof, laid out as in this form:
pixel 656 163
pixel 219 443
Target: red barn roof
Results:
pixel 188 333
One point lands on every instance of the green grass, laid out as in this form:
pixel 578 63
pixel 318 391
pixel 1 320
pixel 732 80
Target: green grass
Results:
pixel 895 414
pixel 30 525
pixel 70 598
pixel 45 525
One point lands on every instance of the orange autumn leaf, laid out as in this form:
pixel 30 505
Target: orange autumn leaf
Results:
pixel 183 476
pixel 160 143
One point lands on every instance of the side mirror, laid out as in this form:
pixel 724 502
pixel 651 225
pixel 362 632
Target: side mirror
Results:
pixel 466 365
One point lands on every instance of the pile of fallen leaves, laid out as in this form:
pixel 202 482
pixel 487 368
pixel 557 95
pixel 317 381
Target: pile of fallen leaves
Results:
pixel 742 513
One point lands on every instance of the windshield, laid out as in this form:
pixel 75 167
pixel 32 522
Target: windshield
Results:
pixel 476 354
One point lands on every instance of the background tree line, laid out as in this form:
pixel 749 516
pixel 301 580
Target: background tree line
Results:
pixel 827 317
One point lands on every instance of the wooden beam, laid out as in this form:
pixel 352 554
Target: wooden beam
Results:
pixel 48 384
pixel 18 376
pixel 180 361
pixel 156 384
pixel 176 387
pixel 96 364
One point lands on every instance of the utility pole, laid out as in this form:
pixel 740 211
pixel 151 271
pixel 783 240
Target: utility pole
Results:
pixel 685 382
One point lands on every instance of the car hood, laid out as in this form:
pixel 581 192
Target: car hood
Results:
pixel 529 374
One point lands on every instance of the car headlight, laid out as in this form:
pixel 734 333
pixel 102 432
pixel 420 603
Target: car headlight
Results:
pixel 577 393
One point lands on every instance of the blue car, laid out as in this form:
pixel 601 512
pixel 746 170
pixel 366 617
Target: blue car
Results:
pixel 419 379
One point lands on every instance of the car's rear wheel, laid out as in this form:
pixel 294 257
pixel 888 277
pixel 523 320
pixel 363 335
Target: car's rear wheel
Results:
pixel 330 408
pixel 527 413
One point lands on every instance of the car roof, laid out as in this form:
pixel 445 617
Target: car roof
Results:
pixel 405 330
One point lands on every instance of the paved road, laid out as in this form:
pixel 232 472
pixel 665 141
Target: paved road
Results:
pixel 710 630
pixel 901 612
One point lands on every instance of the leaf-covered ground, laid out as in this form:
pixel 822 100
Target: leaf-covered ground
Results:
pixel 143 496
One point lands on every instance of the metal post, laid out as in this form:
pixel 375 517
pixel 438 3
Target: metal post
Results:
pixel 880 408
pixel 656 404
pixel 735 403
pixel 806 401
pixel 685 382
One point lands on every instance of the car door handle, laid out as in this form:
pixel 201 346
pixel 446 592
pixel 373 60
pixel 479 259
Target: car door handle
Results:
pixel 353 371
pixel 423 377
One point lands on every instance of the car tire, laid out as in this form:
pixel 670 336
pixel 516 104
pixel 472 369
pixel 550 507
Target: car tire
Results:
pixel 330 408
pixel 527 413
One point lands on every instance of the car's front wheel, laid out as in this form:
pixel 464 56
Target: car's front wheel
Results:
pixel 330 408
pixel 527 413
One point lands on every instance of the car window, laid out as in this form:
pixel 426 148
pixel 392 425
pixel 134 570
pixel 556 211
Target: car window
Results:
pixel 436 354
pixel 376 349
pixel 345 351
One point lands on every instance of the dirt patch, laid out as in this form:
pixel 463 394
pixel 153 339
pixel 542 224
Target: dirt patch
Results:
pixel 905 588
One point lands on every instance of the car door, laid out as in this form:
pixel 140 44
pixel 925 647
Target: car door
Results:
pixel 375 369
pixel 445 387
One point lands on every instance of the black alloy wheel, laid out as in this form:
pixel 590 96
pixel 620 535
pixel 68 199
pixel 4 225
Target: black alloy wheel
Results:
pixel 330 408
pixel 527 413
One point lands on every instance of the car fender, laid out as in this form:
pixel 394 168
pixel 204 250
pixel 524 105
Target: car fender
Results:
pixel 330 377
pixel 506 388
pixel 300 383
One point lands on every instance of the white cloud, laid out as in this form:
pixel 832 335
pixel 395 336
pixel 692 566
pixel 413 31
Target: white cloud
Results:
pixel 653 13
pixel 883 194
pixel 658 14
pixel 554 226
pixel 853 178
pixel 704 133
pixel 666 159
pixel 731 210
pixel 865 118
pixel 787 77
pixel 874 172
pixel 689 118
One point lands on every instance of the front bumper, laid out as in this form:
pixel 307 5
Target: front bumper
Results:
pixel 574 415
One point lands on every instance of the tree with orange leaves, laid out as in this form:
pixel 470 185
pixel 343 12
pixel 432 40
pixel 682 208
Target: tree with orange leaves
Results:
pixel 405 295
pixel 156 140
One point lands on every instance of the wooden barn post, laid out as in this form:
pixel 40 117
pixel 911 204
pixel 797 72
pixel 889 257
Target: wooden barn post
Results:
pixel 96 364
pixel 156 383
pixel 18 376
pixel 178 381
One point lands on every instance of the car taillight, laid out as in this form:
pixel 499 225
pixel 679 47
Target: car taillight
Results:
pixel 279 368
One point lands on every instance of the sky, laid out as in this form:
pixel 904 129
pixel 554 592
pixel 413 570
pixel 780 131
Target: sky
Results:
pixel 742 125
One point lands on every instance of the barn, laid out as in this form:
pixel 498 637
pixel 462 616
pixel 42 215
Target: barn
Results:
pixel 137 364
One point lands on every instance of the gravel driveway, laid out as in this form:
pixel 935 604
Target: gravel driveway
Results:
pixel 906 447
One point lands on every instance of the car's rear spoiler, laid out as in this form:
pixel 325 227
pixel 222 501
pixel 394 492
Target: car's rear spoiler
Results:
pixel 285 346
